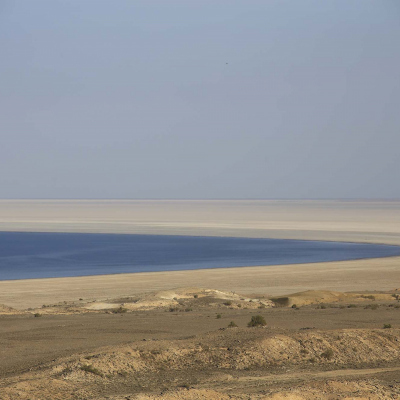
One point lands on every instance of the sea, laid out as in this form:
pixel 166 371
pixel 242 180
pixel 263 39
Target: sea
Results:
pixel 26 255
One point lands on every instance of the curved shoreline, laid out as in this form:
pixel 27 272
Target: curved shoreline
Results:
pixel 355 275
pixel 359 222
pixel 126 254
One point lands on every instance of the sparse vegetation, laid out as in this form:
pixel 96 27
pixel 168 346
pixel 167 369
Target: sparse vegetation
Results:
pixel 232 324
pixel 370 296
pixel 119 310
pixel 66 370
pixel 372 306
pixel 387 326
pixel 352 306
pixel 37 315
pixel 227 303
pixel 257 320
pixel 328 354
pixel 92 370
pixel 219 316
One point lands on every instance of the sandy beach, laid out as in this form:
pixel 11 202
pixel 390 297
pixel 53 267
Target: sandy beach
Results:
pixel 376 222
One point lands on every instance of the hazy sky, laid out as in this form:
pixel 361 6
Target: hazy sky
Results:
pixel 200 99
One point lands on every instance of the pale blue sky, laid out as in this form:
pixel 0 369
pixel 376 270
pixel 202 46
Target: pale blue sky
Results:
pixel 200 99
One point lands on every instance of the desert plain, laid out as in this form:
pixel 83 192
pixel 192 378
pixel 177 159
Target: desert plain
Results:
pixel 332 329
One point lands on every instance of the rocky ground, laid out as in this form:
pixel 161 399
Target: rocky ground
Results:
pixel 196 344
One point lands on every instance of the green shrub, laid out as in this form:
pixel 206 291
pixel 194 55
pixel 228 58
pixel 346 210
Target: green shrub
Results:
pixel 368 297
pixel 37 315
pixel 89 368
pixel 219 316
pixel 232 324
pixel 387 326
pixel 257 320
pixel 196 296
pixel 119 310
pixel 328 354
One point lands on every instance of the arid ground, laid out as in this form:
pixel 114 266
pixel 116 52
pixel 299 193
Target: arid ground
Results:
pixel 332 329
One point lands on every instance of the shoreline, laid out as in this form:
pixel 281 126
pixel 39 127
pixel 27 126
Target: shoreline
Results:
pixel 205 268
pixel 340 221
pixel 354 275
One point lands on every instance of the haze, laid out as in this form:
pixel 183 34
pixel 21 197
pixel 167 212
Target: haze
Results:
pixel 199 99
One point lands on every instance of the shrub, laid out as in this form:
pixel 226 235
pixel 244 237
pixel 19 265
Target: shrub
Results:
pixel 196 296
pixel 232 324
pixel 352 306
pixel 219 316
pixel 368 297
pixel 372 306
pixel 228 303
pixel 328 354
pixel 91 369
pixel 37 315
pixel 257 320
pixel 387 326
pixel 119 310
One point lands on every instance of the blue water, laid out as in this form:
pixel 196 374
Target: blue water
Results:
pixel 44 255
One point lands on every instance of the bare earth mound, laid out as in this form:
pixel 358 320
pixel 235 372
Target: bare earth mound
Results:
pixel 191 343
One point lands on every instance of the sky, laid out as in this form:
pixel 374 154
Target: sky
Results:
pixel 200 99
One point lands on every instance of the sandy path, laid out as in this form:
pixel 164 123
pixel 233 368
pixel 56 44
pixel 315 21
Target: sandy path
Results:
pixel 308 376
pixel 322 220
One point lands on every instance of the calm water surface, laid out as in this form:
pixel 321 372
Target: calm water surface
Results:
pixel 44 255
